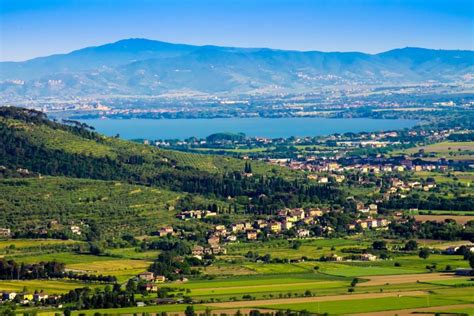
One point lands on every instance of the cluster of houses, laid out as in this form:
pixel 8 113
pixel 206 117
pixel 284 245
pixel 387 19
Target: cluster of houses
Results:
pixel 195 214
pixel 333 168
pixel 400 186
pixel 297 220
pixel 358 257
pixel 26 298
pixel 151 281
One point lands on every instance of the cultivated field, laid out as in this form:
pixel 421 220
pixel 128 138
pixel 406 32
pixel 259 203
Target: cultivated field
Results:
pixel 460 219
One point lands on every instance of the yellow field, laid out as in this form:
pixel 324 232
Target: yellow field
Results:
pixel 27 243
pixel 122 269
pixel 49 286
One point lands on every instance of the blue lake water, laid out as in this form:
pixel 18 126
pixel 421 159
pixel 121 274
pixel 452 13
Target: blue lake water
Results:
pixel 264 127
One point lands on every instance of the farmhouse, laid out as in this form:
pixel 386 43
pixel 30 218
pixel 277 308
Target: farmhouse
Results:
pixel 5 232
pixel 165 231
pixel 198 251
pixel 151 287
pixel 40 296
pixel 9 296
pixel 274 226
pixel 302 233
pixel 367 257
pixel 147 276
pixel 213 240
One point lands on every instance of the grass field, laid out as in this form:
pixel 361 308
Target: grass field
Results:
pixel 33 243
pixel 460 219
pixel 49 286
pixel 444 147
pixel 123 269
pixel 439 298
pixel 309 248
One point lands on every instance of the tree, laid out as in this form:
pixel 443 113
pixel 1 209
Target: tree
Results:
pixel 424 253
pixel 131 286
pixel 354 282
pixel 411 245
pixel 189 311
pixel 296 244
pixel 379 245
pixel 248 168
pixel 471 261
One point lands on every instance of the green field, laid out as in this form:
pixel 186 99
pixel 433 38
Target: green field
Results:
pixel 439 298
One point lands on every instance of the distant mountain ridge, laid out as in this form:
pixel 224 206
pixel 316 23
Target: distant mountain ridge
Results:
pixel 148 67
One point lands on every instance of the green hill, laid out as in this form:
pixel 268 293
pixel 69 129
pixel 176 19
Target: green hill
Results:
pixel 52 158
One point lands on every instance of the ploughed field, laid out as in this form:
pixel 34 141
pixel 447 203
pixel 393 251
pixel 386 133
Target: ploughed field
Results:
pixel 381 287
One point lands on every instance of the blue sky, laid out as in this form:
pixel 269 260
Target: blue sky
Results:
pixel 42 27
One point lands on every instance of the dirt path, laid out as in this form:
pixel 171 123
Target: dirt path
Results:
pixel 297 300
pixel 419 311
pixel 405 278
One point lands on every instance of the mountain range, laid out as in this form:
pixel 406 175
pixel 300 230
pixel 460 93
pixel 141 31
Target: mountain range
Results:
pixel 148 67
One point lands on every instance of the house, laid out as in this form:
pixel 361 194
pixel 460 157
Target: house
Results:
pixel 151 287
pixel 8 296
pixel 213 240
pixel 302 233
pixel 372 223
pixel 382 222
pixel 40 296
pixel 5 232
pixel 287 225
pixel 165 231
pixel 400 168
pixel 274 226
pixel 237 227
pixel 219 228
pixel 231 238
pixel 76 230
pixel 218 250
pixel 147 276
pixel 323 180
pixel 313 212
pixel 387 168
pixel 210 214
pixel 261 223
pixel 360 207
pixel 252 235
pixel 367 257
pixel 373 208
pixel 396 182
pixel 160 278
pixel 248 226
pixel 26 296
pixel 298 213
pixel 333 257
pixel 339 178
pixel 198 250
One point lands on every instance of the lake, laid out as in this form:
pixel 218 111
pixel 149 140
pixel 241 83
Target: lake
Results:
pixel 264 127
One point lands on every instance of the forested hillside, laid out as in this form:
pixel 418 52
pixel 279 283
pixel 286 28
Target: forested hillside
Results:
pixel 135 183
